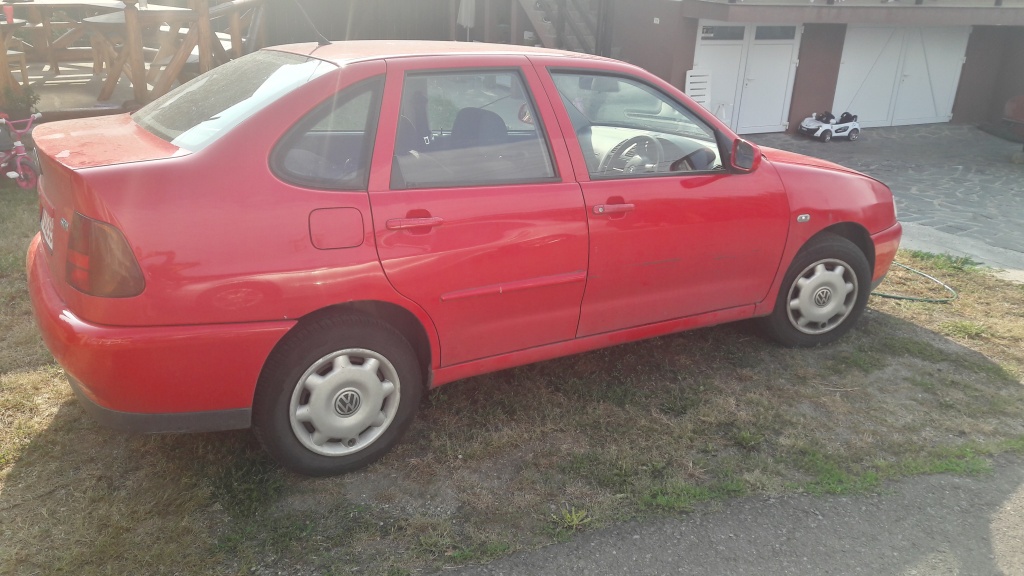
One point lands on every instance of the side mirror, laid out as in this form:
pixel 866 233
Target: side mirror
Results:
pixel 745 156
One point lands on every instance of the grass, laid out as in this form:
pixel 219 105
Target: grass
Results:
pixel 520 458
pixel 944 262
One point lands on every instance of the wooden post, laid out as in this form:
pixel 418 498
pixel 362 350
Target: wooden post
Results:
pixel 235 27
pixel 133 46
pixel 453 16
pixel 489 24
pixel 170 74
pixel 516 22
pixel 202 9
pixel 6 79
pixel 43 16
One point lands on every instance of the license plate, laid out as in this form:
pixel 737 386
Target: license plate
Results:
pixel 46 227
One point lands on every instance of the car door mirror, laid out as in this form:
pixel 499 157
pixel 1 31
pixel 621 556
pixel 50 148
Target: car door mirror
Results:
pixel 745 156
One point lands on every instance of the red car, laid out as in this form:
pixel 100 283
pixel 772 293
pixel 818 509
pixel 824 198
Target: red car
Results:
pixel 307 238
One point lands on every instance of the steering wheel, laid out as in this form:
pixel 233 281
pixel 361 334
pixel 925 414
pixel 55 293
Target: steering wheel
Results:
pixel 699 159
pixel 635 155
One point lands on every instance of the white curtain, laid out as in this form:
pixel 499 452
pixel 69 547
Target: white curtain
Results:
pixel 467 13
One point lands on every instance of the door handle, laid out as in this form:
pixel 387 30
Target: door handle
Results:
pixel 407 223
pixel 613 208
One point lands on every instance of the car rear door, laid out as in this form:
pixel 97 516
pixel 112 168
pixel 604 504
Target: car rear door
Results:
pixel 476 213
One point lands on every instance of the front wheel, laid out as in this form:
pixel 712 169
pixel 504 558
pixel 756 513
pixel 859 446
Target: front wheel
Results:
pixel 823 294
pixel 28 175
pixel 337 395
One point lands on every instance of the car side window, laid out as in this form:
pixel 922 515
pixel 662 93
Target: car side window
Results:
pixel 468 128
pixel 628 129
pixel 331 147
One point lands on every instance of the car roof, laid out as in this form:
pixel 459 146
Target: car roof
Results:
pixel 345 52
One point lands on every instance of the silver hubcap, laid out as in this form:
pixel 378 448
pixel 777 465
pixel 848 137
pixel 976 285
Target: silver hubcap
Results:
pixel 822 296
pixel 344 402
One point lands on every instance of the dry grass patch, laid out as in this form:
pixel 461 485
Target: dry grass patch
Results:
pixel 516 459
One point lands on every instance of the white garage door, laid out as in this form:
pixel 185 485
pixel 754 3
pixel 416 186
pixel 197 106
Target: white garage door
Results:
pixel 752 68
pixel 896 76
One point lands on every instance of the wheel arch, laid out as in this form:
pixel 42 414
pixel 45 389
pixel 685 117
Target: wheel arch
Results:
pixel 854 233
pixel 398 317
pixel 796 316
pixel 849 230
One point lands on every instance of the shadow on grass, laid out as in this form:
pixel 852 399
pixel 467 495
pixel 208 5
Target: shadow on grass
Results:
pixel 646 429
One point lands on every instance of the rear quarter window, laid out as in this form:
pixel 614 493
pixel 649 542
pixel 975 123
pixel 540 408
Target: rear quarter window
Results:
pixel 330 148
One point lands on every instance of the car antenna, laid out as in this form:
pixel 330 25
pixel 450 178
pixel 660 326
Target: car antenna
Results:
pixel 322 40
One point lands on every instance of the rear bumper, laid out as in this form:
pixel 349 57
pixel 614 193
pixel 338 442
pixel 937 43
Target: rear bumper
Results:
pixel 210 421
pixel 153 379
pixel 886 242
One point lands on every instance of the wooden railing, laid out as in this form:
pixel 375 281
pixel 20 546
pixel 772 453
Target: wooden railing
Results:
pixel 123 41
pixel 566 24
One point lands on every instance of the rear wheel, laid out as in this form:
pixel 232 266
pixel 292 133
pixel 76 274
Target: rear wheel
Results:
pixel 823 294
pixel 826 136
pixel 337 395
pixel 854 134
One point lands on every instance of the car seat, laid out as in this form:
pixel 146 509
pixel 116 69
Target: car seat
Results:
pixel 474 127
pixel 847 118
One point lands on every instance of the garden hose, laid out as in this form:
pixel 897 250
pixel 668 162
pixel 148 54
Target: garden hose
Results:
pixel 917 298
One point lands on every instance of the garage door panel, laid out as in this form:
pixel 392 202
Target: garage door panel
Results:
pixel 766 85
pixel 867 74
pixel 916 96
pixel 752 69
pixel 893 76
pixel 931 72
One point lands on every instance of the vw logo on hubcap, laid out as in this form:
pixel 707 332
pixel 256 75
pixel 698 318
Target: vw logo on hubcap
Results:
pixel 347 403
pixel 822 297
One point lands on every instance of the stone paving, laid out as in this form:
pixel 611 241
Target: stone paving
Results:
pixel 951 182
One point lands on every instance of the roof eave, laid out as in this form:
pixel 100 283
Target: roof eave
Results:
pixel 909 15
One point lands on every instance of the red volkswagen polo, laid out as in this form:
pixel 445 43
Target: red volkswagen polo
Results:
pixel 305 239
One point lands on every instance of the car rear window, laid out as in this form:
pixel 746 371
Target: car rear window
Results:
pixel 201 110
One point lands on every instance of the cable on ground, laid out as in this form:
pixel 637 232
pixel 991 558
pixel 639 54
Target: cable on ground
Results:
pixel 917 298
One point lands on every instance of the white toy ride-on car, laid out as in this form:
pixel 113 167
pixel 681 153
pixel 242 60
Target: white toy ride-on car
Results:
pixel 824 126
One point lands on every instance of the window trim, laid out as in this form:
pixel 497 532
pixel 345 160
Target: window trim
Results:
pixel 529 96
pixel 715 134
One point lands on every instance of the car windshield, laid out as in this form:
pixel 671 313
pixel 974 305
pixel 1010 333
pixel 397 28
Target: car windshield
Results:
pixel 200 111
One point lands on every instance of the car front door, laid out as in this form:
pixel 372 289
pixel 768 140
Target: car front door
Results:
pixel 476 214
pixel 673 232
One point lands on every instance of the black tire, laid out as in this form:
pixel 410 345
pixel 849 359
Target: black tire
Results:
pixel 28 175
pixel 826 136
pixel 807 312
pixel 320 411
pixel 854 134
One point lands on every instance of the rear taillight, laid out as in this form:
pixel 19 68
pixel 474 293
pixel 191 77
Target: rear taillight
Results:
pixel 100 262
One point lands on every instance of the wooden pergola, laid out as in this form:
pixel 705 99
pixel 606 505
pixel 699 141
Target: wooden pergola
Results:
pixel 149 44
pixel 182 30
